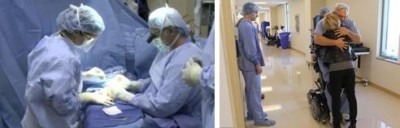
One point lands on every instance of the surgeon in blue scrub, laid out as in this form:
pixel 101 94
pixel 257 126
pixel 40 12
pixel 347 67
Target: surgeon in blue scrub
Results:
pixel 164 97
pixel 250 62
pixel 195 75
pixel 53 98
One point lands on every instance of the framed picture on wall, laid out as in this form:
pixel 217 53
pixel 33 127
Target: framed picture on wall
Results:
pixel 297 20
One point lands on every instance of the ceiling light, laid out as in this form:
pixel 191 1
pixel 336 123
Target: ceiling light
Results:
pixel 260 2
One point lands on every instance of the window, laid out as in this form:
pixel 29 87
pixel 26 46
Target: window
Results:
pixel 287 25
pixel 390 32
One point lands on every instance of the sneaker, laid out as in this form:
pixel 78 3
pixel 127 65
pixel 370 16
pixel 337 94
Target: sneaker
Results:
pixel 266 122
pixel 251 117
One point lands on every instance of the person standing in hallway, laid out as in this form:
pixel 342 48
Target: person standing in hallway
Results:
pixel 250 64
pixel 341 74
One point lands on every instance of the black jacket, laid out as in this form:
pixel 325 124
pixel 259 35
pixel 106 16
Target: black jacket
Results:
pixel 332 54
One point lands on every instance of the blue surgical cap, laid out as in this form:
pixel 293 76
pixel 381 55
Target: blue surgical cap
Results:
pixel 82 18
pixel 166 17
pixel 323 11
pixel 249 7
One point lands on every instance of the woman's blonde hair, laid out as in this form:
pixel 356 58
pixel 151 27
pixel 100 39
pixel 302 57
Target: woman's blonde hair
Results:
pixel 330 22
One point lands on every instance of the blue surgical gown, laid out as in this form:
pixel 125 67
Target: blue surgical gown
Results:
pixel 250 56
pixel 165 97
pixel 207 81
pixel 54 77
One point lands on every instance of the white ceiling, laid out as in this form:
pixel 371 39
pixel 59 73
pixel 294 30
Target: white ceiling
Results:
pixel 263 4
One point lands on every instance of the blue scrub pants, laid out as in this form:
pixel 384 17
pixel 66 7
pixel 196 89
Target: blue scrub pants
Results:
pixel 253 95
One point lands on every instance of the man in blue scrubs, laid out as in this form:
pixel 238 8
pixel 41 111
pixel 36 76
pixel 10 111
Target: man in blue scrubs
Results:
pixel 250 64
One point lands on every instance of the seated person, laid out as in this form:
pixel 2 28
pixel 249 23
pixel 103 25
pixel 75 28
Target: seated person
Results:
pixel 273 39
pixel 278 37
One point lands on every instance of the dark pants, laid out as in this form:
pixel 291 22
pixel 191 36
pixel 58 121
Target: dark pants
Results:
pixel 278 42
pixel 345 79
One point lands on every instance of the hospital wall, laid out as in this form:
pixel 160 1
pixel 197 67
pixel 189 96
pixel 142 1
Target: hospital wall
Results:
pixel 231 108
pixel 366 16
pixel 280 10
pixel 274 18
pixel 316 6
pixel 299 40
pixel 225 111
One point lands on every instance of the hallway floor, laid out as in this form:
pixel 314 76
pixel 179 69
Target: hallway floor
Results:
pixel 286 79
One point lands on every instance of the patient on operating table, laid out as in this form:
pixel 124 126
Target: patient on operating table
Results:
pixel 96 116
pixel 333 54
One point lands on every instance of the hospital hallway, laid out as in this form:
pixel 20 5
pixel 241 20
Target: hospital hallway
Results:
pixel 286 79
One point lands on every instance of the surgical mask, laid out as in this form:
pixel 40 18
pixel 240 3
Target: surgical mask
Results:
pixel 86 45
pixel 158 43
pixel 161 46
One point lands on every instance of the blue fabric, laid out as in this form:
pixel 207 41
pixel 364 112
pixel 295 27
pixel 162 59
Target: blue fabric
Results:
pixel 264 26
pixel 349 24
pixel 8 115
pixel 24 24
pixel 167 97
pixel 123 43
pixel 30 20
pixel 200 41
pixel 89 20
pixel 208 93
pixel 208 54
pixel 253 95
pixel 54 77
pixel 137 124
pixel 96 118
pixel 316 19
pixel 207 81
pixel 249 47
pixel 250 56
pixel 284 38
